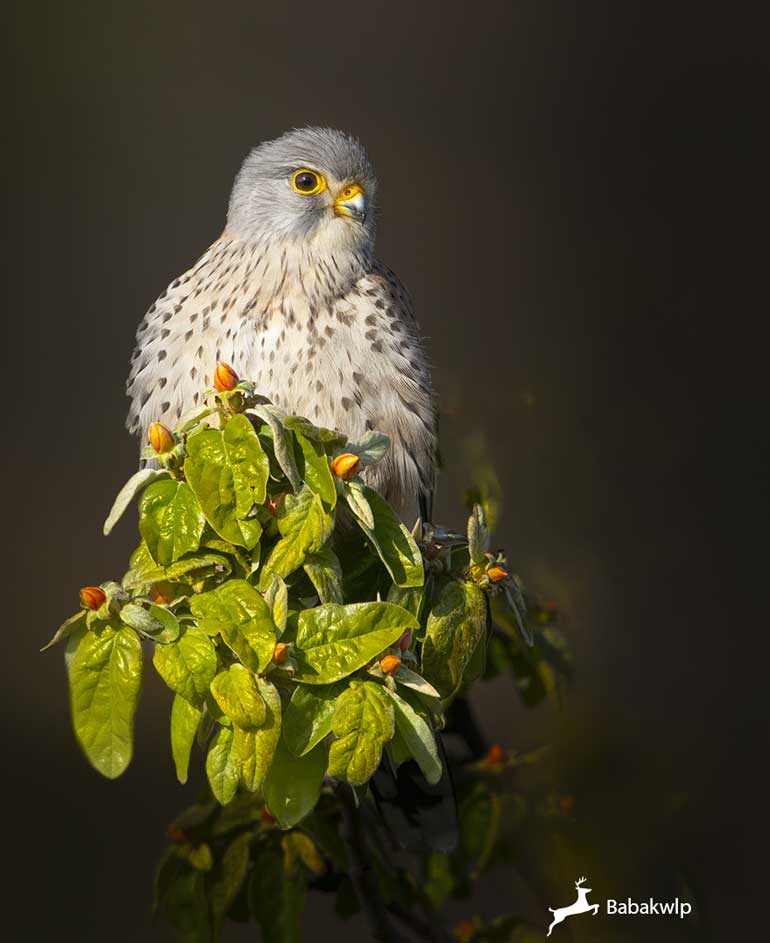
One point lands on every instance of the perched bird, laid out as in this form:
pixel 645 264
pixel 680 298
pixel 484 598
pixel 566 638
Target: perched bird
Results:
pixel 292 296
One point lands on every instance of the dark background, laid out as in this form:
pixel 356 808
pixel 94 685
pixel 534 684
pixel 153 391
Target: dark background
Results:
pixel 576 196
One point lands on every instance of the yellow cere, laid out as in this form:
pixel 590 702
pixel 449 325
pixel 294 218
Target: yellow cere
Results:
pixel 307 182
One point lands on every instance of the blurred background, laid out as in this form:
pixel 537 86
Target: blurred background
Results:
pixel 576 196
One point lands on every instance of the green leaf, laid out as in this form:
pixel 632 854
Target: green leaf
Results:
pixel 418 737
pixel 249 463
pixel 358 504
pixel 170 628
pixel 186 907
pixel 136 483
pixel 410 679
pixel 184 725
pixel 228 473
pixel 277 598
pixel 392 541
pixel 326 437
pixel 105 678
pixel 315 471
pixel 333 641
pixel 137 617
pixel 143 570
pixel 308 715
pixel 363 724
pixel 228 877
pixel 293 783
pixel 479 820
pixel 409 599
pixel 283 443
pixel 304 526
pixel 188 665
pixel 456 623
pixel 276 894
pixel 223 765
pixel 242 617
pixel 478 534
pixel 66 628
pixel 235 691
pixel 256 747
pixel 370 448
pixel 170 520
pixel 325 574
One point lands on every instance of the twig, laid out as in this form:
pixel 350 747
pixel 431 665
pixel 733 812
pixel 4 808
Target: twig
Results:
pixel 361 871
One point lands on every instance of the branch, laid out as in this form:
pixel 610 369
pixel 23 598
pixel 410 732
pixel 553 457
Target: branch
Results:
pixel 361 872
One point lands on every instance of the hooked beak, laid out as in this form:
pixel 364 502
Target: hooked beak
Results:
pixel 351 202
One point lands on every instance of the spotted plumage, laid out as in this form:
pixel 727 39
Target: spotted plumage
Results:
pixel 293 298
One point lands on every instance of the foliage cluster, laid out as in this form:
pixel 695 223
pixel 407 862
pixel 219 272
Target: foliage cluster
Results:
pixel 308 637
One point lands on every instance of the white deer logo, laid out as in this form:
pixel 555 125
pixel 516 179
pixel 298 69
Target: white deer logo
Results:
pixel 580 906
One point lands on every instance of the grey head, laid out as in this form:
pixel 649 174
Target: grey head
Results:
pixel 311 184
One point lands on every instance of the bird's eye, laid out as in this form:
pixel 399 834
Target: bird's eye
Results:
pixel 307 182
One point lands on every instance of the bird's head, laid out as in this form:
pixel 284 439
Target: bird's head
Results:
pixel 311 184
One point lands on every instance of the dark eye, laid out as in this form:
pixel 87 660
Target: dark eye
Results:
pixel 307 182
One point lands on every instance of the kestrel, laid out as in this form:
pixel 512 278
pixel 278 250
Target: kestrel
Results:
pixel 293 297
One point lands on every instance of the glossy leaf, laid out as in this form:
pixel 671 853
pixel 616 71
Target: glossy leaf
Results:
pixel 228 472
pixel 105 677
pixel 455 625
pixel 418 737
pixel 333 640
pixel 184 725
pixel 223 765
pixel 235 691
pixel 283 442
pixel 257 747
pixel 188 665
pixel 370 448
pixel 143 570
pixel 170 520
pixel 241 616
pixel 304 526
pixel 392 541
pixel 411 679
pixel 66 628
pixel 136 483
pixel 293 783
pixel 315 471
pixel 325 574
pixel 277 598
pixel 363 724
pixel 308 715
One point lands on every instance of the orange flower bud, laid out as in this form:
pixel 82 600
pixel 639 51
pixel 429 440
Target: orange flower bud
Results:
pixel 161 438
pixel 566 804
pixel 280 653
pixel 496 756
pixel 405 641
pixel 346 465
pixel 176 834
pixel 390 663
pixel 464 931
pixel 497 574
pixel 225 378
pixel 92 597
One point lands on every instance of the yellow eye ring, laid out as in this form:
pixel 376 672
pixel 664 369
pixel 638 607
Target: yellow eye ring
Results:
pixel 307 182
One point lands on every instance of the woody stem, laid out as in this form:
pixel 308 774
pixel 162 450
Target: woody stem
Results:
pixel 362 873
